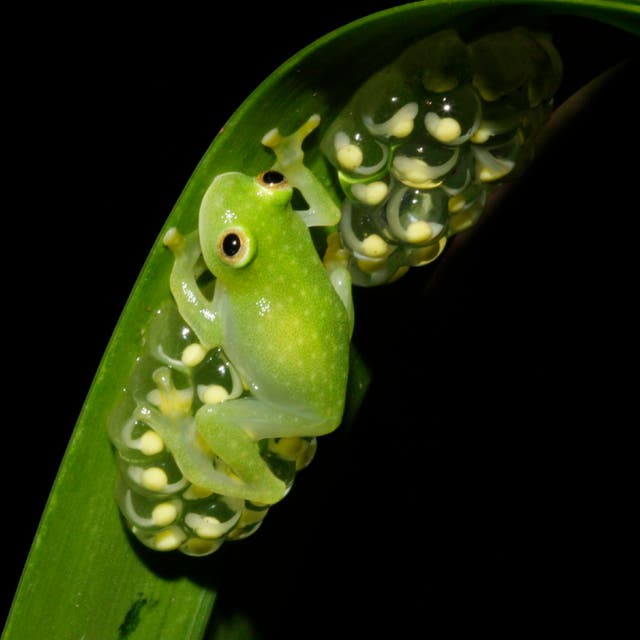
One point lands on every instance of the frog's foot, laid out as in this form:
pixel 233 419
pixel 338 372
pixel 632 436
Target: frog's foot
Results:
pixel 336 262
pixel 335 256
pixel 167 409
pixel 167 397
pixel 168 413
pixel 240 451
pixel 288 149
pixel 322 210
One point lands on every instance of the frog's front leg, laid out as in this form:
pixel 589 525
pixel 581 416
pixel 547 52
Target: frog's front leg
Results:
pixel 233 430
pixel 322 210
pixel 192 304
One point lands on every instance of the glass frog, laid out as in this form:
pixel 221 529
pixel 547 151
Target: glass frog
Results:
pixel 251 373
pixel 276 315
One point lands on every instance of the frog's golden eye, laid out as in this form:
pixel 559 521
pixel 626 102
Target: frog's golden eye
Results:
pixel 272 179
pixel 235 247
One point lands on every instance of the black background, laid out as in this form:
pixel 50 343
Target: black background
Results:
pixel 483 484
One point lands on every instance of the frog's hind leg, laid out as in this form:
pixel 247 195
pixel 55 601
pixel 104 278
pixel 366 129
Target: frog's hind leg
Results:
pixel 168 412
pixel 233 430
pixel 193 459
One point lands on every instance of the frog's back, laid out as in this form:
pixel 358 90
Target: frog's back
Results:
pixel 290 320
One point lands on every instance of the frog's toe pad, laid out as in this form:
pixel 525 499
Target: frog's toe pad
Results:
pixel 173 239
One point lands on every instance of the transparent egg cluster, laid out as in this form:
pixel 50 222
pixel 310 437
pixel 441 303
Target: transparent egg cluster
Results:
pixel 173 377
pixel 421 143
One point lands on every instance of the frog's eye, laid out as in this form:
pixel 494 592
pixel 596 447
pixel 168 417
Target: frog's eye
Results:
pixel 235 247
pixel 272 179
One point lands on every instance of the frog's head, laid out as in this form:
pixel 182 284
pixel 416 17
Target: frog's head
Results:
pixel 239 212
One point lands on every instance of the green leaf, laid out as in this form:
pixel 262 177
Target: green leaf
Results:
pixel 84 577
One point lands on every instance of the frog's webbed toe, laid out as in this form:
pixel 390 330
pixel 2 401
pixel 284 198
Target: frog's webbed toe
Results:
pixel 322 211
pixel 184 247
pixel 288 149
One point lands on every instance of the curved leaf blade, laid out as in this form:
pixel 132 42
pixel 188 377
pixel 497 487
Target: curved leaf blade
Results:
pixel 237 147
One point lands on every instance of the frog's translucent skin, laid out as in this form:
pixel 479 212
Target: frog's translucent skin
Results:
pixel 242 368
pixel 164 510
pixel 420 145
